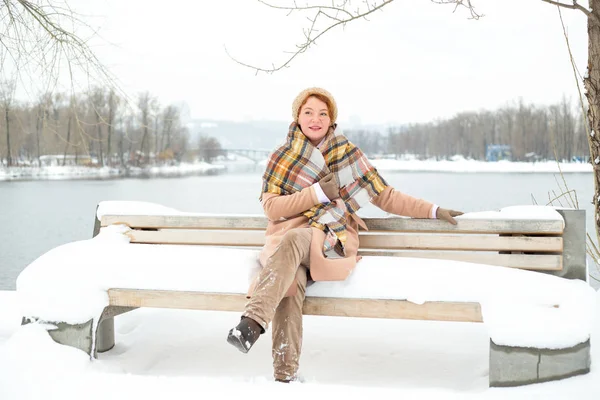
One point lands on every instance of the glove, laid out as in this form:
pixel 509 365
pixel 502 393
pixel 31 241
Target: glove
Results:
pixel 330 186
pixel 446 215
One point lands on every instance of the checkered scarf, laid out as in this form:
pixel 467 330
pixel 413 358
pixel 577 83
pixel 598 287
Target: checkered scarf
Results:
pixel 298 164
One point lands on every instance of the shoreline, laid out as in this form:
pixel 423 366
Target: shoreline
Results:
pixel 62 173
pixel 56 173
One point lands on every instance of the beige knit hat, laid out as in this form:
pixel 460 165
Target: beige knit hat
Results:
pixel 299 100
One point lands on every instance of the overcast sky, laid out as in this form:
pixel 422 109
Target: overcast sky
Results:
pixel 414 61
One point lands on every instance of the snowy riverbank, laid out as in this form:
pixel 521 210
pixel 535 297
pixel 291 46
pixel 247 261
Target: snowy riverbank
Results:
pixel 459 164
pixel 80 172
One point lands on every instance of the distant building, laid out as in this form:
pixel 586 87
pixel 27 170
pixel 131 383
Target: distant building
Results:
pixel 498 152
pixel 52 160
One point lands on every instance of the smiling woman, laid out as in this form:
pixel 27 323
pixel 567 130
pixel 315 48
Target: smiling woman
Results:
pixel 313 187
pixel 316 111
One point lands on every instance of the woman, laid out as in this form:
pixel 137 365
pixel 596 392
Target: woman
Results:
pixel 312 188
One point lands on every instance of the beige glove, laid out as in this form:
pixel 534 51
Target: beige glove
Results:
pixel 330 186
pixel 446 215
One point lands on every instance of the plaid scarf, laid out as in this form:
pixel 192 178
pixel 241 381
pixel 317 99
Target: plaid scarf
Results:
pixel 298 164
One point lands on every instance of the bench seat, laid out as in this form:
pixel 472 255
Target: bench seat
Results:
pixel 121 274
pixel 206 263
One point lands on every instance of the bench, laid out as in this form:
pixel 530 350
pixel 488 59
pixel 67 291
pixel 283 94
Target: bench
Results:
pixel 546 245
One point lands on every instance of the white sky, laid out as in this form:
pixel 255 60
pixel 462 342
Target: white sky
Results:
pixel 415 61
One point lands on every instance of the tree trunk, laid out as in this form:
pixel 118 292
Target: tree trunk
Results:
pixel 143 157
pixel 156 151
pixel 592 86
pixel 121 149
pixel 111 113
pixel 99 135
pixel 37 136
pixel 68 138
pixel 8 156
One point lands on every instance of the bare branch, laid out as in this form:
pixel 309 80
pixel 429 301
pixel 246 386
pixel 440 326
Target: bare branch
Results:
pixel 41 37
pixel 324 19
pixel 304 8
pixel 461 3
pixel 574 6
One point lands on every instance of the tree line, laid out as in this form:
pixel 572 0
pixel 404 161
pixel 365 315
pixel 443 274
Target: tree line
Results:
pixel 533 133
pixel 99 128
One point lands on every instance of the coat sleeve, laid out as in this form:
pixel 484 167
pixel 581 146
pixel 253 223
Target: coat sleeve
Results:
pixel 286 206
pixel 395 202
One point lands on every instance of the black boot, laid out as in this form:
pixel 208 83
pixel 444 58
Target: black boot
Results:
pixel 245 334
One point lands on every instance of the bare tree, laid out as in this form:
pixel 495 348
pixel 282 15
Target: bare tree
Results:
pixel 39 122
pixel 98 103
pixel 170 124
pixel 7 91
pixel 146 105
pixel 155 110
pixel 40 38
pixel 113 103
pixel 69 121
pixel 209 148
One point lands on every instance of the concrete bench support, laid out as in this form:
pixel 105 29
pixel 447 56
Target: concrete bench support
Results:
pixel 574 238
pixel 78 336
pixel 515 366
pixel 81 336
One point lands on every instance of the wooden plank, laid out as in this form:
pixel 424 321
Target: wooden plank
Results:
pixel 367 241
pixel 396 309
pixel 525 226
pixel 176 299
pixel 365 308
pixel 534 262
pixel 541 227
pixel 463 242
pixel 211 237
pixel 187 222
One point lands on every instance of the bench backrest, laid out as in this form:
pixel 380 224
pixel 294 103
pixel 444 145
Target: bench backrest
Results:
pixel 535 244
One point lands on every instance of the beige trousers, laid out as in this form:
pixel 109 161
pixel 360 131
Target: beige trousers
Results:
pixel 267 303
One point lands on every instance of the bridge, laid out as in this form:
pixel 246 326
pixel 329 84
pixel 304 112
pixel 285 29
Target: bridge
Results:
pixel 256 155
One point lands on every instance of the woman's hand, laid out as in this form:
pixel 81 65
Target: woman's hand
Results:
pixel 330 186
pixel 447 215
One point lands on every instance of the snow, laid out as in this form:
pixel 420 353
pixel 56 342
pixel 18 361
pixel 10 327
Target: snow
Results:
pixel 529 212
pixel 463 165
pixel 551 312
pixel 407 163
pixel 521 212
pixel 134 208
pixel 81 172
pixel 56 173
pixel 146 208
pixel 183 354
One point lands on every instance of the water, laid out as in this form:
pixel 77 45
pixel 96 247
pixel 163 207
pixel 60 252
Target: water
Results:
pixel 39 215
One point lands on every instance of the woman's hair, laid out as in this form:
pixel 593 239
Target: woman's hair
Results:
pixel 318 93
pixel 321 97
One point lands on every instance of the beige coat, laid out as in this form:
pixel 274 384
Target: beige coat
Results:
pixel 285 213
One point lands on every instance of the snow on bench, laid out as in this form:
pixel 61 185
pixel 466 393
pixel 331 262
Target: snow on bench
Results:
pixel 405 273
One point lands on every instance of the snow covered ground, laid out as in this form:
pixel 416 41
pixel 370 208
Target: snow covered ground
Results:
pixel 183 354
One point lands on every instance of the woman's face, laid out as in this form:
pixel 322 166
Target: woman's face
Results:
pixel 314 120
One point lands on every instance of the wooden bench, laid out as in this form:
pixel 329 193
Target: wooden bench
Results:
pixel 544 245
